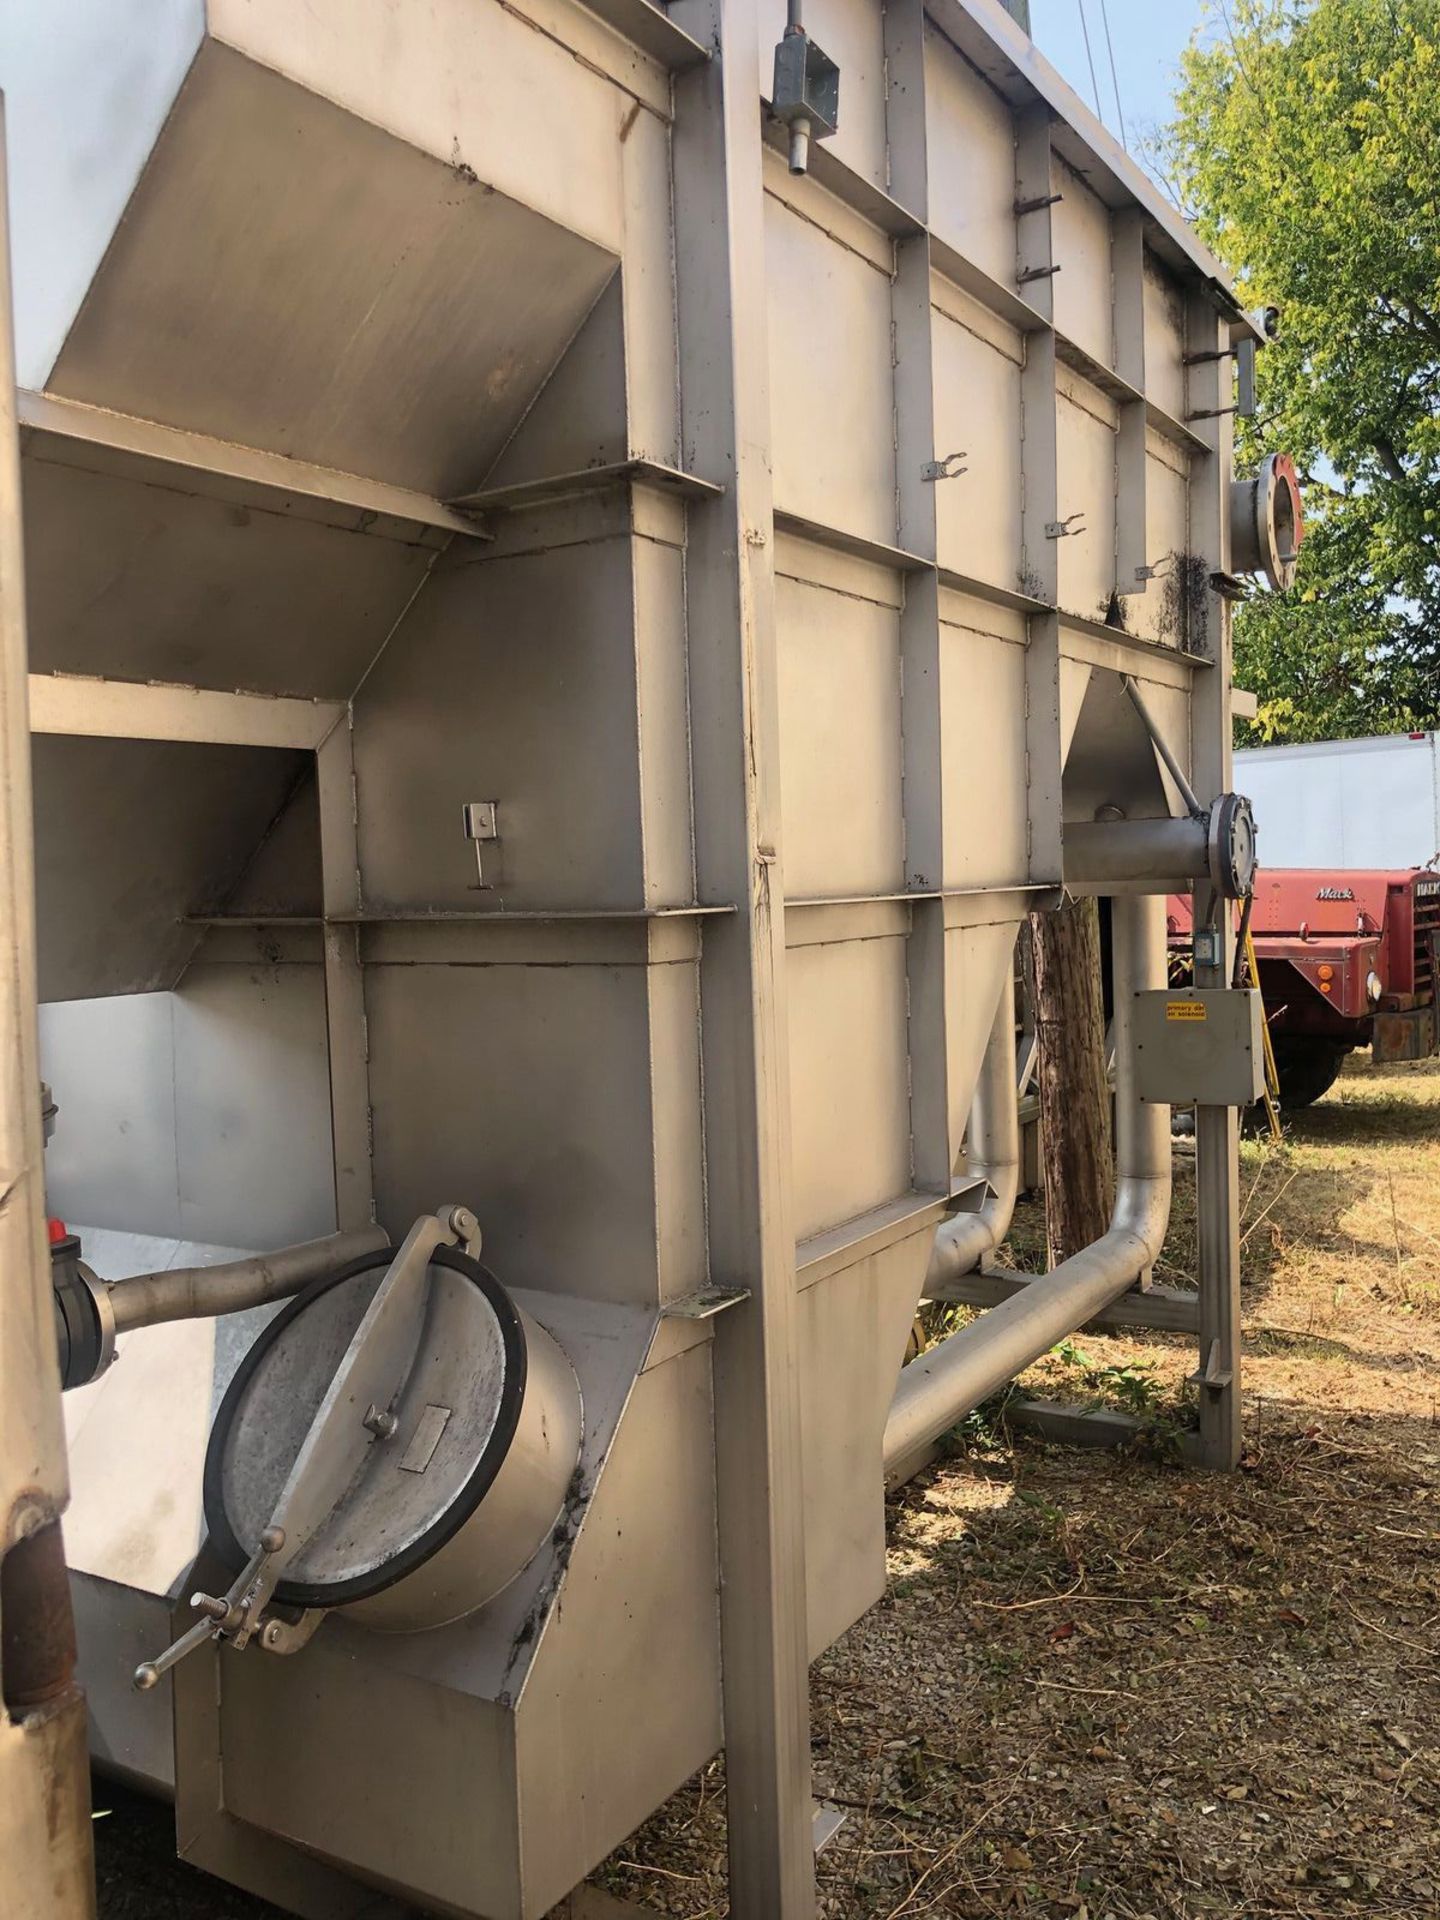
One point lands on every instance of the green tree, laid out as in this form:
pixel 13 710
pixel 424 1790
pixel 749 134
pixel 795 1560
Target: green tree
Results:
pixel 1306 149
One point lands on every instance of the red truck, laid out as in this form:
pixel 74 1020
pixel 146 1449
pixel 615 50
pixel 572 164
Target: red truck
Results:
pixel 1347 959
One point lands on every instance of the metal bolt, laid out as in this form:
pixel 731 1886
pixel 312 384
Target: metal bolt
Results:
pixel 212 1608
pixel 380 1422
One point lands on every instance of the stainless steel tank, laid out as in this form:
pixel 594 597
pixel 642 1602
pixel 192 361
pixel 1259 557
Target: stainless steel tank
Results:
pixel 561 651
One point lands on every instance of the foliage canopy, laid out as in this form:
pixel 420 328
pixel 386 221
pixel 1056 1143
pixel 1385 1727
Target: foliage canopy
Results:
pixel 1306 150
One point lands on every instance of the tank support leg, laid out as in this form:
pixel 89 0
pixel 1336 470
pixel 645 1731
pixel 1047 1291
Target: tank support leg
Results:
pixel 1218 1239
pixel 1212 771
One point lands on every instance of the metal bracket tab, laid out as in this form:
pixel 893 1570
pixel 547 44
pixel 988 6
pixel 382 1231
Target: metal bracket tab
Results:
pixel 946 469
pixel 704 1304
pixel 482 823
pixel 1212 1377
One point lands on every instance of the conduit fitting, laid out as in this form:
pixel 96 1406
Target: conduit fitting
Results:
pixel 936 1391
pixel 992 1151
pixel 806 91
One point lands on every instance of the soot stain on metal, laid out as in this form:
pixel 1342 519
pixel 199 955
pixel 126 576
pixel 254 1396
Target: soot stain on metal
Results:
pixel 1185 608
pixel 1030 584
pixel 562 1539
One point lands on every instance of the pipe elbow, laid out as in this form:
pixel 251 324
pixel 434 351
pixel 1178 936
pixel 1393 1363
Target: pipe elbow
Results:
pixel 1142 1208
pixel 963 1241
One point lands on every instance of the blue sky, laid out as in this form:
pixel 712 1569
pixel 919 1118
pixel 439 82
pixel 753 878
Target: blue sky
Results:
pixel 1148 36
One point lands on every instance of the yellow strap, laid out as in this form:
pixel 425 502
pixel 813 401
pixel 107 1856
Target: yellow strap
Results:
pixel 1272 1077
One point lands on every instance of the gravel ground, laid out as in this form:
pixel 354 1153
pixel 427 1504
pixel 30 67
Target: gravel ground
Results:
pixel 1099 1685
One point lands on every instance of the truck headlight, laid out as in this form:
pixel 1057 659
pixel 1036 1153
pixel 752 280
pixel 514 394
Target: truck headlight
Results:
pixel 1374 987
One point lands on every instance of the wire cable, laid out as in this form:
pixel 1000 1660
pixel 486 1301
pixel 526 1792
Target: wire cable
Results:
pixel 1094 84
pixel 1114 76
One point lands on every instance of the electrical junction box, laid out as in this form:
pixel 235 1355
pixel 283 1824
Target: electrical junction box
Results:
pixel 1199 1046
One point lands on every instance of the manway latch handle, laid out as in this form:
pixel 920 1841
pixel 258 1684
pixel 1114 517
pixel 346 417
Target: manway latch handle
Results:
pixel 356 1411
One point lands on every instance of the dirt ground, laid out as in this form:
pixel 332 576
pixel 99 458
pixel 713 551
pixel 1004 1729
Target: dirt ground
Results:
pixel 1104 1686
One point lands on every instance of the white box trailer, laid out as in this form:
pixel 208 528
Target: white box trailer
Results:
pixel 1345 803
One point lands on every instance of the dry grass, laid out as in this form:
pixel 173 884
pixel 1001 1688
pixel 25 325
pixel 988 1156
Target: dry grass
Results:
pixel 1099 1686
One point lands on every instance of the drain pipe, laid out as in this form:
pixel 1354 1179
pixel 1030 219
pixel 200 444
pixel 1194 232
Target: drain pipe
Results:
pixel 942 1386
pixel 992 1150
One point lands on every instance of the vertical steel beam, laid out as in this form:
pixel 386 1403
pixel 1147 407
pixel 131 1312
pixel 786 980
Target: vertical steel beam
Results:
pixel 905 118
pixel 344 981
pixel 1216 1128
pixel 46 1870
pixel 1040 565
pixel 923 759
pixel 1127 250
pixel 725 424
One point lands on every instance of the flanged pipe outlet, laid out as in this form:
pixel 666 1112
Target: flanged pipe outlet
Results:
pixel 1231 846
pixel 1266 522
pixel 1158 855
pixel 461 1477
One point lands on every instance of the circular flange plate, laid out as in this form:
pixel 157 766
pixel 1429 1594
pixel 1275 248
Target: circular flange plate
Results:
pixel 410 1493
pixel 1232 848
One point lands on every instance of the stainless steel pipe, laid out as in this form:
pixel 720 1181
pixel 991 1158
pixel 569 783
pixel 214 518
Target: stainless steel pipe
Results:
pixel 992 1150
pixel 200 1293
pixel 942 1386
pixel 1100 853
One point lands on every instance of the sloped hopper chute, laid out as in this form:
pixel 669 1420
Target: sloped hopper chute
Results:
pixel 288 276
pixel 293 280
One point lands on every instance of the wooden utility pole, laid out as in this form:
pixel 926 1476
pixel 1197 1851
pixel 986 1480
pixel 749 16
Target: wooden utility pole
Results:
pixel 1075 1142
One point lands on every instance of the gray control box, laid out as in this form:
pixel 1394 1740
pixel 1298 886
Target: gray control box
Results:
pixel 1200 1046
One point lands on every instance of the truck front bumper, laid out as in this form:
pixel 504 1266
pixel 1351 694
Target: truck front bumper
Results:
pixel 1403 1036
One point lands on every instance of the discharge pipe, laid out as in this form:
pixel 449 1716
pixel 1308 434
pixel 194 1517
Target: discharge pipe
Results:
pixel 937 1390
pixel 90 1313
pixel 1109 853
pixel 992 1151
pixel 1218 846
pixel 203 1293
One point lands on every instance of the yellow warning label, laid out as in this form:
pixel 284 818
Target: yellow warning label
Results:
pixel 1185 1010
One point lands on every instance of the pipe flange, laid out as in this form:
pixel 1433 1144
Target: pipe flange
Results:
pixel 1267 524
pixel 99 1291
pixel 84 1316
pixel 1231 846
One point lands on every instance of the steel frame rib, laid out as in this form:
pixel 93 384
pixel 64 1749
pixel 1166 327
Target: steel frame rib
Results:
pixel 136 710
pixel 720 266
pixel 368 505
pixel 1217 1129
